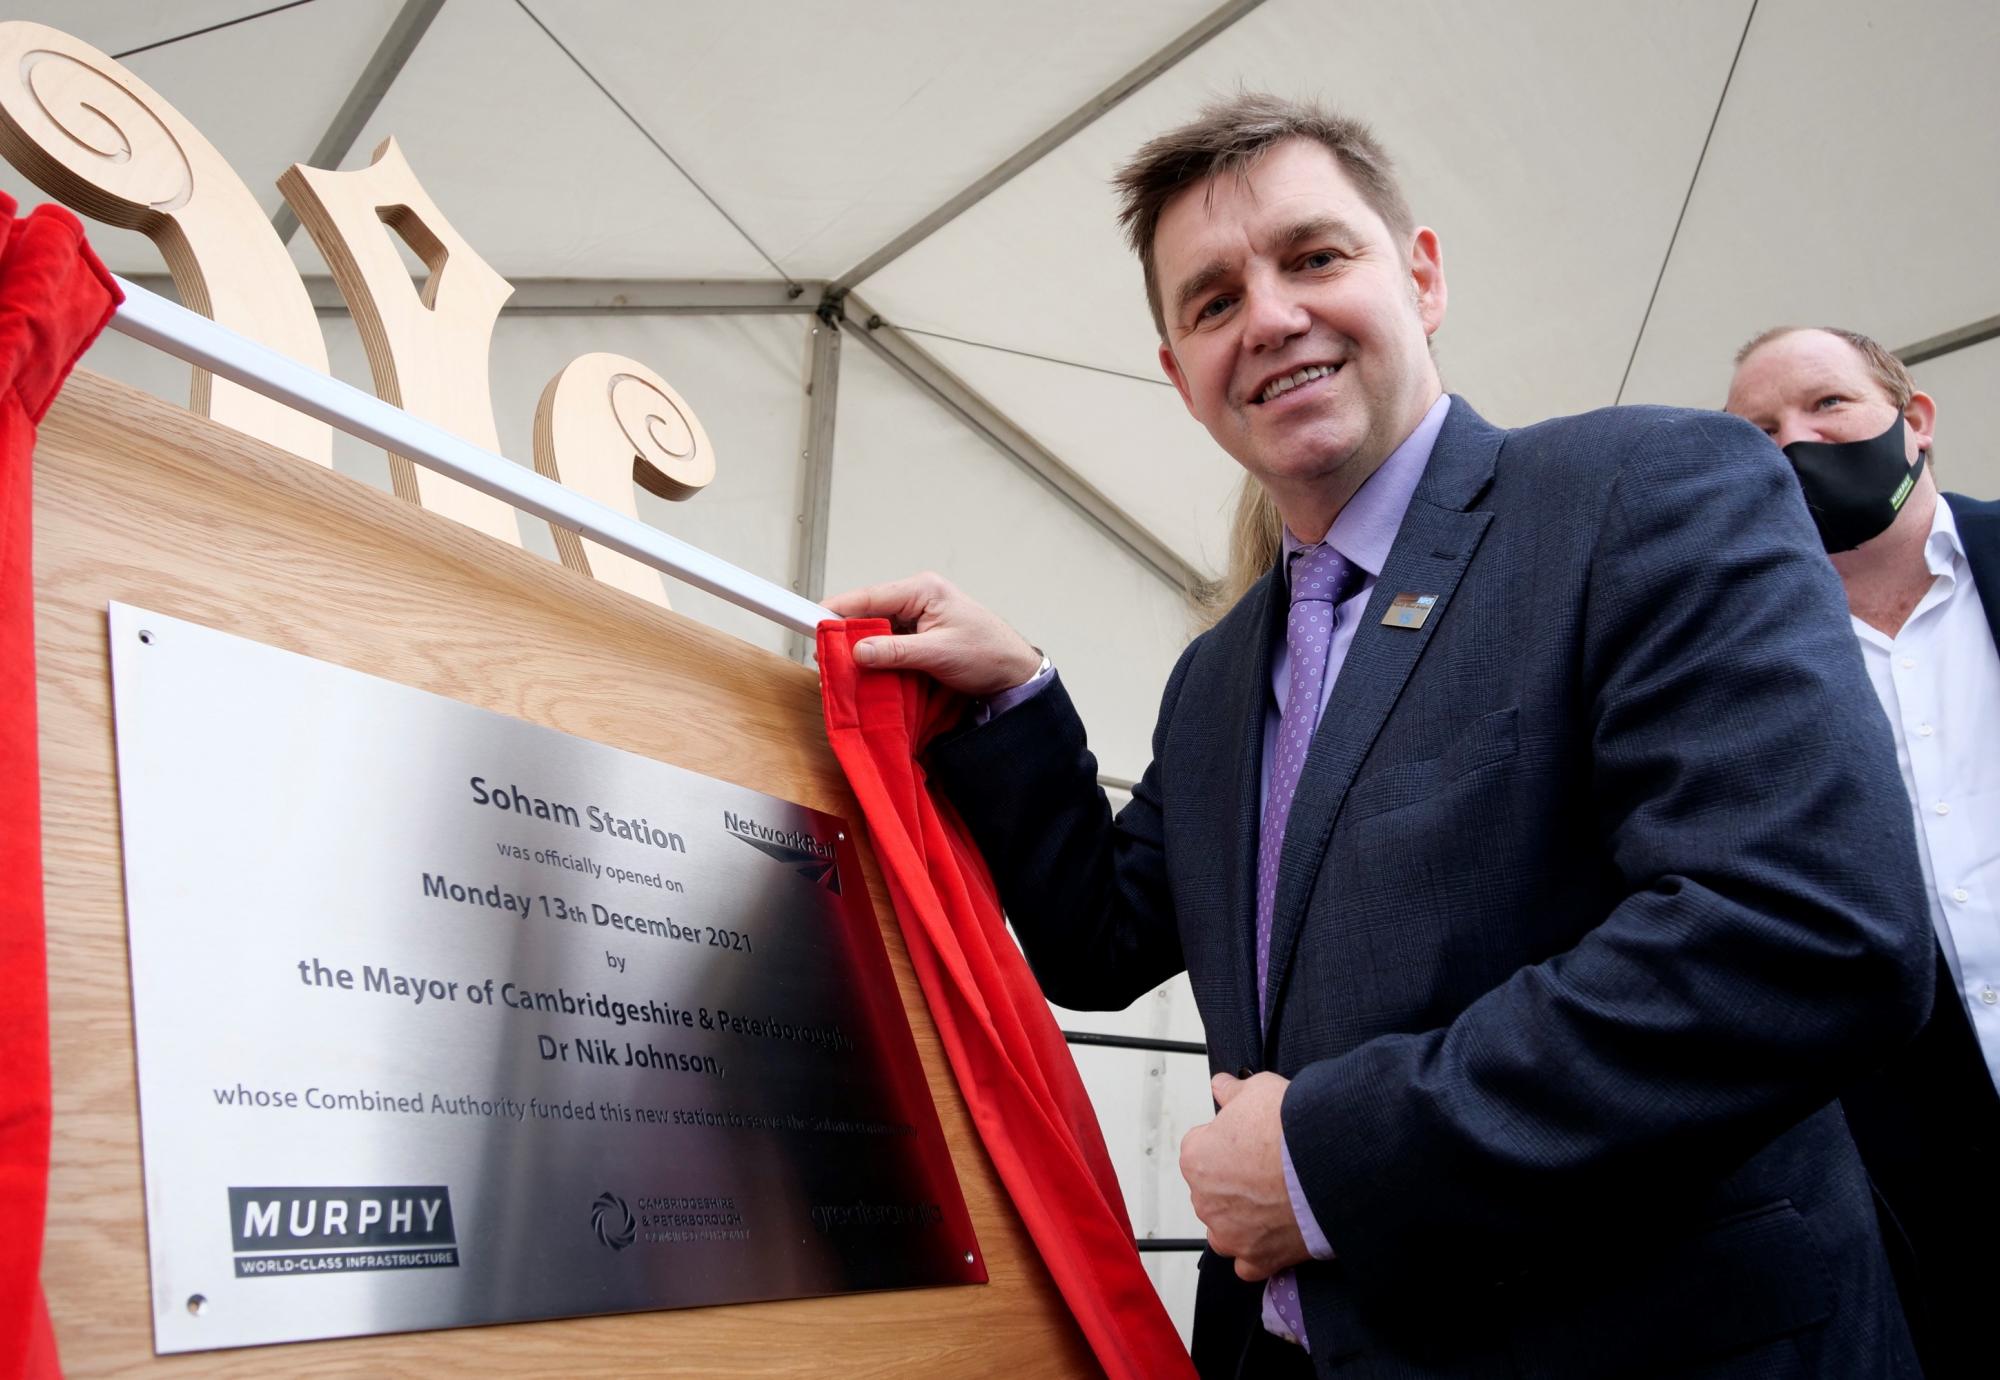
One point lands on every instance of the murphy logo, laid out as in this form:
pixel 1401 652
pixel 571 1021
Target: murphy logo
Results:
pixel 612 1221
pixel 291 1231
pixel 812 859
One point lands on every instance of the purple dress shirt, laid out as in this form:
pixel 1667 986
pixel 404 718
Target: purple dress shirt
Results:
pixel 1363 533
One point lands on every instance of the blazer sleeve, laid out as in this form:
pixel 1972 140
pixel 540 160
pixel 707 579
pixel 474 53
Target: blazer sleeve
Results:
pixel 1087 894
pixel 1772 938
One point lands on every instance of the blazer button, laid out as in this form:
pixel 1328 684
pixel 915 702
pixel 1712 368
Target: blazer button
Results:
pixel 1245 1073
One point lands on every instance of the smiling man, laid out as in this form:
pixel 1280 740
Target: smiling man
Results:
pixel 1527 830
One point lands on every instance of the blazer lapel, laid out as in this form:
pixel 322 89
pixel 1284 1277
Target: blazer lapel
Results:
pixel 1432 549
pixel 1979 532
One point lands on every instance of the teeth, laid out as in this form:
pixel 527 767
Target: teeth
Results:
pixel 1291 381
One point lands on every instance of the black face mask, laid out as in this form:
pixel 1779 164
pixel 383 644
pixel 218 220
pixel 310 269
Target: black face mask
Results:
pixel 1855 488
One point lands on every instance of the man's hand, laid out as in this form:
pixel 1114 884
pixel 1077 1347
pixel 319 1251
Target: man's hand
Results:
pixel 1236 1175
pixel 942 633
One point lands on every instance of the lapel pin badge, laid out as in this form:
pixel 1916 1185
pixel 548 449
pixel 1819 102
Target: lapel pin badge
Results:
pixel 1409 610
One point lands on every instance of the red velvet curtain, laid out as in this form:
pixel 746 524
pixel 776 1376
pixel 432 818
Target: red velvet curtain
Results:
pixel 54 298
pixel 1013 1065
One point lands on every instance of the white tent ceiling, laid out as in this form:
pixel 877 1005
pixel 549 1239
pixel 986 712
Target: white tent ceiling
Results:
pixel 1553 144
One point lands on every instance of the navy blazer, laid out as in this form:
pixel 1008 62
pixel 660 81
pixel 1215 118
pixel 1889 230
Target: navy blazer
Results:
pixel 1596 889
pixel 1928 1123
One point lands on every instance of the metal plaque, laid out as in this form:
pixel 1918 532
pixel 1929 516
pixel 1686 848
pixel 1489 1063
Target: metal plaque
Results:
pixel 446 1018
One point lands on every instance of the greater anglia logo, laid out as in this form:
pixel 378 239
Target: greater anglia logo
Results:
pixel 612 1220
pixel 812 858
pixel 290 1231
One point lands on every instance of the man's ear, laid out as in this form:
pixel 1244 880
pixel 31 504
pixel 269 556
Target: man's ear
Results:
pixel 1921 419
pixel 1427 278
pixel 1171 367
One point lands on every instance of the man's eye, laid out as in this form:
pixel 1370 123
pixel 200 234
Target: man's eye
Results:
pixel 1319 258
pixel 1830 400
pixel 1214 307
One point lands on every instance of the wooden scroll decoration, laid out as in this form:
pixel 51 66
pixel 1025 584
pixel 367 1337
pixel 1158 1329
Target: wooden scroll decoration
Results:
pixel 95 137
pixel 428 350
pixel 611 423
pixel 91 134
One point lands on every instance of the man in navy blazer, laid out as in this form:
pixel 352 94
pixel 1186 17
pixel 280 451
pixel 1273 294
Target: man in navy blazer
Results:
pixel 1921 571
pixel 1594 885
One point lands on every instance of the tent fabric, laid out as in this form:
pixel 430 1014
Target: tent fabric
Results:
pixel 55 296
pixel 1012 1063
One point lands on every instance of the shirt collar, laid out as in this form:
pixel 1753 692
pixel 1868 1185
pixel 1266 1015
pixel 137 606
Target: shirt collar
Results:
pixel 1944 557
pixel 1366 527
pixel 1944 552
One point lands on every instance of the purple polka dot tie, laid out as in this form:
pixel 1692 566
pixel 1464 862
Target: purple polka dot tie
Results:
pixel 1321 579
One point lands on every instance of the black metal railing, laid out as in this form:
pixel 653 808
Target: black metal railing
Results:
pixel 1089 1037
pixel 1146 1042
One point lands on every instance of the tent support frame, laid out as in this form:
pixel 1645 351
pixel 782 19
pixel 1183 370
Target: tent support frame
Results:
pixel 816 470
pixel 603 296
pixel 1951 342
pixel 1061 131
pixel 924 370
pixel 399 41
pixel 153 320
pixel 774 297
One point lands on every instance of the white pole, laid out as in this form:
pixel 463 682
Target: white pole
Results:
pixel 153 320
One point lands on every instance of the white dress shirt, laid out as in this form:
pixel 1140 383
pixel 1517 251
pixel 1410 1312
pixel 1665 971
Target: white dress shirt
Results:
pixel 1939 682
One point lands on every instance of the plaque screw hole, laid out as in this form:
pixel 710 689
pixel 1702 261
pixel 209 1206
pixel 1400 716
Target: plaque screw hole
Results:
pixel 843 838
pixel 146 636
pixel 968 1260
pixel 198 1303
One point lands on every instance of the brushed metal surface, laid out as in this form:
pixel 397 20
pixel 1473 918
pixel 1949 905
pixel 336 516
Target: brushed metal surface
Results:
pixel 447 1018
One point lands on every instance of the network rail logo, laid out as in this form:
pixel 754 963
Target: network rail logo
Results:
pixel 810 857
pixel 612 1221
pixel 304 1231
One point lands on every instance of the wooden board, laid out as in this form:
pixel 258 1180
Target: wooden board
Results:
pixel 137 500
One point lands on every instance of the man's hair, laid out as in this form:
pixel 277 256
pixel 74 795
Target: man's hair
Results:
pixel 1227 137
pixel 1890 372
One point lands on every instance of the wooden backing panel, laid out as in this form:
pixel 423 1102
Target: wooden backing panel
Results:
pixel 138 501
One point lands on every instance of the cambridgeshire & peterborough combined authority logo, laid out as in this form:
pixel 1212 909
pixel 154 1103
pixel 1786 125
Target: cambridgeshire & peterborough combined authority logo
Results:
pixel 613 1221
pixel 811 858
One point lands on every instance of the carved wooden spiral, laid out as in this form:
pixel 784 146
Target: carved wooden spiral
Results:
pixel 604 424
pixel 99 145
pixel 95 137
pixel 670 452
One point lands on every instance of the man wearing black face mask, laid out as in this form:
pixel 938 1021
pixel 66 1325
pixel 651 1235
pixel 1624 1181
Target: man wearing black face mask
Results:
pixel 1922 574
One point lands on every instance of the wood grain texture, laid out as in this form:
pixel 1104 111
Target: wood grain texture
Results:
pixel 92 135
pixel 138 501
pixel 429 350
pixel 604 424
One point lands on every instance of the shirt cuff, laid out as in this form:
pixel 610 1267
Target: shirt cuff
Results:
pixel 1316 1242
pixel 988 710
